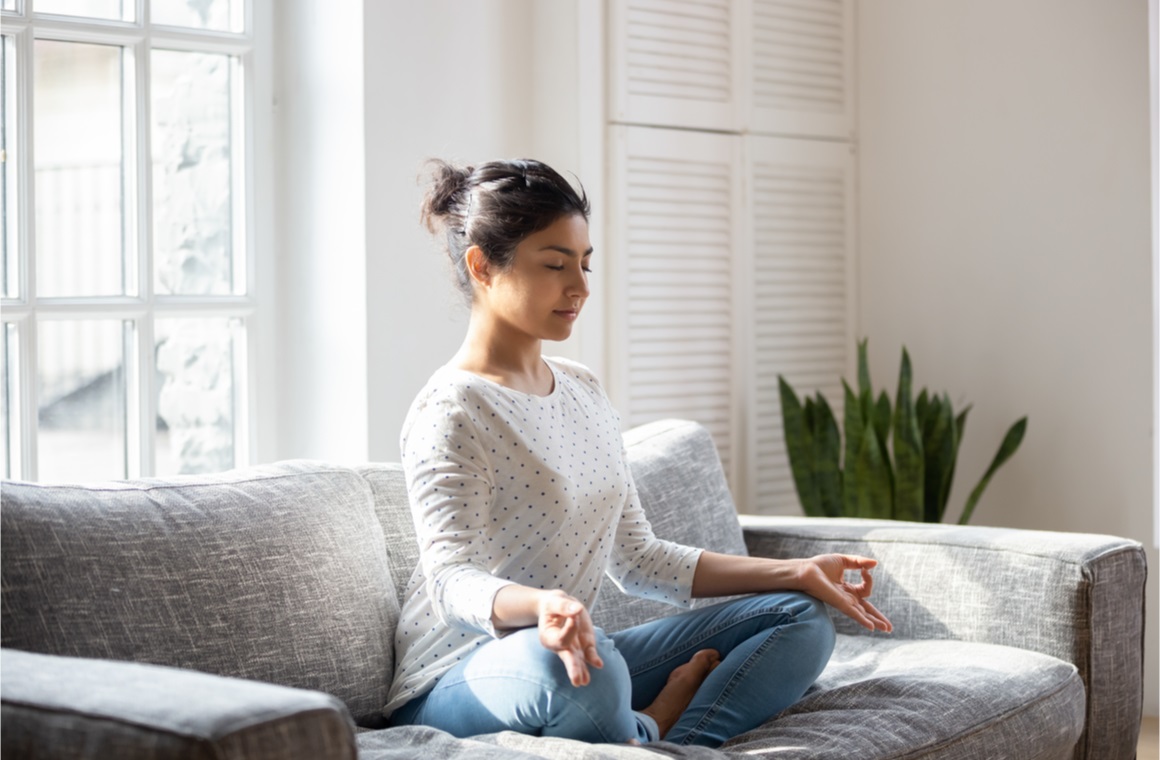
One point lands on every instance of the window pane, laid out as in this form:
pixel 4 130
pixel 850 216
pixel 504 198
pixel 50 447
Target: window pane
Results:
pixel 8 273
pixel 91 8
pixel 195 405
pixel 220 15
pixel 79 195
pixel 192 198
pixel 82 400
pixel 7 436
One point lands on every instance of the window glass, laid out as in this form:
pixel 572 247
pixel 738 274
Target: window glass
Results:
pixel 109 9
pixel 218 15
pixel 8 357
pixel 192 183
pixel 9 277
pixel 196 367
pixel 81 383
pixel 79 169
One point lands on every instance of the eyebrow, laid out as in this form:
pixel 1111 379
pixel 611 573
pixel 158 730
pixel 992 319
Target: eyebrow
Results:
pixel 565 251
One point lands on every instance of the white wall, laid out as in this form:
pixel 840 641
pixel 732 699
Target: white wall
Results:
pixel 320 375
pixel 465 81
pixel 1006 241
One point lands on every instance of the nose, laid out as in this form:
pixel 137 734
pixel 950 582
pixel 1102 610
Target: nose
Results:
pixel 578 284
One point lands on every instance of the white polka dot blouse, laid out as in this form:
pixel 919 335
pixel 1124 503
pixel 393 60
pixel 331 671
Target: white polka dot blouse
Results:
pixel 508 487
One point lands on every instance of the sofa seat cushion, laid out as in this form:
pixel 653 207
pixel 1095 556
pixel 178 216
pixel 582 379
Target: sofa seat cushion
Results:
pixel 896 698
pixel 409 742
pixel 275 573
pixel 878 698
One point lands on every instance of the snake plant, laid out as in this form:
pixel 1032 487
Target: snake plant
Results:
pixel 860 479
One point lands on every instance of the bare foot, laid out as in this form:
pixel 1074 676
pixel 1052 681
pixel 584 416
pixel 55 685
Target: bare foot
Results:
pixel 679 689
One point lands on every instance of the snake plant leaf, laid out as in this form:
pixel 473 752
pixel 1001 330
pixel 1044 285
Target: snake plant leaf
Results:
pixel 882 417
pixel 938 449
pixel 864 389
pixel 855 429
pixel 922 408
pixel 872 497
pixel 1010 444
pixel 799 444
pixel 960 424
pixel 909 462
pixel 827 451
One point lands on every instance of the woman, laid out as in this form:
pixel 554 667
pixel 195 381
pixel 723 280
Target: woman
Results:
pixel 522 500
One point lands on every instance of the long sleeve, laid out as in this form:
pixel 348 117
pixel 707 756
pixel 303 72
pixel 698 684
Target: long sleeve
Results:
pixel 646 566
pixel 451 490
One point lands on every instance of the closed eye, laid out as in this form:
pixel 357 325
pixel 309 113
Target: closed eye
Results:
pixel 561 269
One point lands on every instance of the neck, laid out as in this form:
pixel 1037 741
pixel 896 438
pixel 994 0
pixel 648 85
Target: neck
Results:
pixel 491 350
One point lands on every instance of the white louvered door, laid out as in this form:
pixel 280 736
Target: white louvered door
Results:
pixel 802 315
pixel 675 219
pixel 801 68
pixel 675 63
pixel 731 219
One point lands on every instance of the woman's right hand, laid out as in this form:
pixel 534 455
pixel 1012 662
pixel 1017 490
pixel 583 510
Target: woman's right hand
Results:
pixel 567 630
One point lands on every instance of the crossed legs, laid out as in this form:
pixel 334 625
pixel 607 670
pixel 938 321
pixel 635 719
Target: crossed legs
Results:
pixel 699 677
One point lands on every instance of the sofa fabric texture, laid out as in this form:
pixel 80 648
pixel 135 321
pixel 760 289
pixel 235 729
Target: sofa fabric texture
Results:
pixel 394 512
pixel 275 574
pixel 86 708
pixel 890 697
pixel 1076 597
pixel 1007 643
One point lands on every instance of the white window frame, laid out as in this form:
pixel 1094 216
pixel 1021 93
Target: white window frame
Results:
pixel 251 181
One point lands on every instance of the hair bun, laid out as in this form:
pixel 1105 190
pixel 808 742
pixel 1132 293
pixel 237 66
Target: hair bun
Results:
pixel 446 193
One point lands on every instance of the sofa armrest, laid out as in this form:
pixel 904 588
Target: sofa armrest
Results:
pixel 1077 597
pixel 65 707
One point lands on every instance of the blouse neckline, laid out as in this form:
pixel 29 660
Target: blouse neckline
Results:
pixel 508 389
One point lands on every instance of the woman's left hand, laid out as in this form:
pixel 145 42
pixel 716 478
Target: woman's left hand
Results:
pixel 824 578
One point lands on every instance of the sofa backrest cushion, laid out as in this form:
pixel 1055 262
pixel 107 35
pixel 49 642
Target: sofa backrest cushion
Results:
pixel 275 573
pixel 683 491
pixel 394 511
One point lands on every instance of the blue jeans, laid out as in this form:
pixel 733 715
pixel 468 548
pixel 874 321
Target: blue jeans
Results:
pixel 772 646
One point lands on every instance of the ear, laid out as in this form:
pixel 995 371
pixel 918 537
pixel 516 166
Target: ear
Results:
pixel 477 266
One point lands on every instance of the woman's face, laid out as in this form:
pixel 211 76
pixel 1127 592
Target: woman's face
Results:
pixel 543 290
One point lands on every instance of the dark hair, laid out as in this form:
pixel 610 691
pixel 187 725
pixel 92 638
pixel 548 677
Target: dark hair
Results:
pixel 495 206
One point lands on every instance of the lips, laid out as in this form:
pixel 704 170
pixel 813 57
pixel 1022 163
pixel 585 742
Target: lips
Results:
pixel 568 314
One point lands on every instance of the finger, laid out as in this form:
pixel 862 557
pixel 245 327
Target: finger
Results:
pixel 856 562
pixel 850 606
pixel 577 670
pixel 564 606
pixel 863 587
pixel 883 621
pixel 587 637
pixel 859 615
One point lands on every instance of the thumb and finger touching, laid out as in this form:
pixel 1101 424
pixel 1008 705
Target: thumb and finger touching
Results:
pixel 567 630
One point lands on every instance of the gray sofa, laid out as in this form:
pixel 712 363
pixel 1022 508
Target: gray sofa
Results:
pixel 250 615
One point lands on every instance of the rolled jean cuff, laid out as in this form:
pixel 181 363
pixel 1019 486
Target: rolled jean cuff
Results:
pixel 648 728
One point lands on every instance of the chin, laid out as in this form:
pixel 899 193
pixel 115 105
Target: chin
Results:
pixel 559 335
